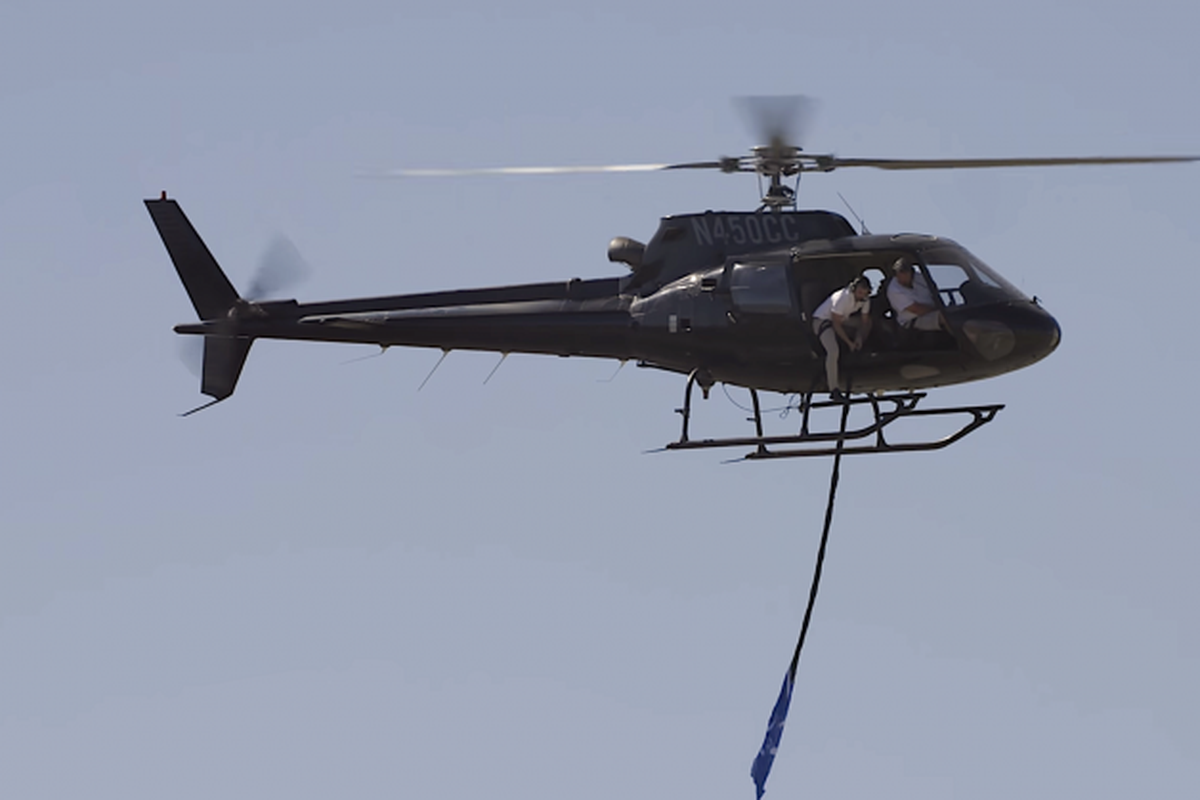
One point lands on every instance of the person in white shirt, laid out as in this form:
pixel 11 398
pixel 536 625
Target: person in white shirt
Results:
pixel 911 299
pixel 831 322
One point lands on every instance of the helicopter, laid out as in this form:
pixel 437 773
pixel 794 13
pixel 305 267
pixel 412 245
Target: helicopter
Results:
pixel 718 296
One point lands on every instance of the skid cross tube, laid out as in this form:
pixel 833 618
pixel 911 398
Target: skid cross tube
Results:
pixel 886 410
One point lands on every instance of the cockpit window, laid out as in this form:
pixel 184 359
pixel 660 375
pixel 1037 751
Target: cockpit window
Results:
pixel 761 288
pixel 949 279
pixel 962 279
pixel 993 278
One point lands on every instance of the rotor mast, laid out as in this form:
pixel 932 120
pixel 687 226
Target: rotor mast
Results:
pixel 776 162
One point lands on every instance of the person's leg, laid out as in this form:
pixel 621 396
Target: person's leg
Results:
pixel 928 322
pixel 829 341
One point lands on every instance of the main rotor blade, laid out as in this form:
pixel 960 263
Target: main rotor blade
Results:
pixel 779 121
pixel 830 163
pixel 456 173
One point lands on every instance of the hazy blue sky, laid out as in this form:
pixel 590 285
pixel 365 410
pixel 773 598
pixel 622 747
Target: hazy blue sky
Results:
pixel 335 586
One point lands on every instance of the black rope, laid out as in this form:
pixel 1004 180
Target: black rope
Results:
pixel 816 580
pixel 761 768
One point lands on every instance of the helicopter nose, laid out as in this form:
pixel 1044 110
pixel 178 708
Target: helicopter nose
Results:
pixel 1022 332
pixel 1038 333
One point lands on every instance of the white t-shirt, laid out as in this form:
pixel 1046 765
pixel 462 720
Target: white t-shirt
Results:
pixel 842 302
pixel 901 297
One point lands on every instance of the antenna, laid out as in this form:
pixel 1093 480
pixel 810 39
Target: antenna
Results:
pixel 493 372
pixel 859 219
pixel 445 352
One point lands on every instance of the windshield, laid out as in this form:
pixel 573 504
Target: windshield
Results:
pixel 993 278
pixel 962 279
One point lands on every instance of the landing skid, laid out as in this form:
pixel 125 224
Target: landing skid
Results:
pixel 886 409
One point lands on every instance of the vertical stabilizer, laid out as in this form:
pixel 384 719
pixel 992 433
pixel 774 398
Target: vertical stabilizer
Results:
pixel 212 295
pixel 211 292
pixel 223 360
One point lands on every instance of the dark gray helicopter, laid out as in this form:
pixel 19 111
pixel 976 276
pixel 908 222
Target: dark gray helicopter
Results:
pixel 716 296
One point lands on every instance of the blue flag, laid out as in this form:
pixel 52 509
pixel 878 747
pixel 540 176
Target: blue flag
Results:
pixel 761 767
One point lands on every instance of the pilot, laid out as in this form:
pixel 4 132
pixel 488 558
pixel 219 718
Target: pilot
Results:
pixel 911 298
pixel 833 321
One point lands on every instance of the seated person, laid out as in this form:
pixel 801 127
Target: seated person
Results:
pixel 911 299
pixel 832 321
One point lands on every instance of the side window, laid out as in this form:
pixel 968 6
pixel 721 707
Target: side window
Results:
pixel 876 276
pixel 761 288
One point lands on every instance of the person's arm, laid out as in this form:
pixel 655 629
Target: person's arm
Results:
pixel 904 300
pixel 837 320
pixel 863 330
pixel 918 309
